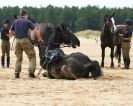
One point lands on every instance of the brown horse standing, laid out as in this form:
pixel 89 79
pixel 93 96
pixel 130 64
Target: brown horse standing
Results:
pixel 108 37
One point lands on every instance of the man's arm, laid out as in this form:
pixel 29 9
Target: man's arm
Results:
pixel 35 32
pixel 37 35
pixel 11 33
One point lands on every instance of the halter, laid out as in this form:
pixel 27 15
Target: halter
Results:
pixel 112 30
pixel 63 32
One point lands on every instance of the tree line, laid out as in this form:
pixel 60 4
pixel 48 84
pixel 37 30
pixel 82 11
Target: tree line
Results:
pixel 89 17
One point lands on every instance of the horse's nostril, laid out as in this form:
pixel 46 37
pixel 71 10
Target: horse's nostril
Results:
pixel 74 46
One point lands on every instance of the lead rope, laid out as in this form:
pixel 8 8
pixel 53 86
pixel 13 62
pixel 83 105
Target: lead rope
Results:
pixel 12 44
pixel 39 72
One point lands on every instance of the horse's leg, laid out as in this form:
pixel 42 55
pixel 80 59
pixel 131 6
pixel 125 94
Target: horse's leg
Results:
pixel 67 73
pixel 103 55
pixel 112 56
pixel 119 54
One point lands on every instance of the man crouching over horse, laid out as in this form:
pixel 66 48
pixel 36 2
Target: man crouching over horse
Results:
pixel 20 29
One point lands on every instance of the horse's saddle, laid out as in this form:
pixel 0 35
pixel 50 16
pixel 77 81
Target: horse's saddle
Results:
pixel 53 56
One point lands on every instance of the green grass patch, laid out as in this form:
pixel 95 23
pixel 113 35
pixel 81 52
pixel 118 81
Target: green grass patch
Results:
pixel 88 34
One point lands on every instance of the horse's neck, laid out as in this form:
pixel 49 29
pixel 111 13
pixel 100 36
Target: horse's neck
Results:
pixel 106 30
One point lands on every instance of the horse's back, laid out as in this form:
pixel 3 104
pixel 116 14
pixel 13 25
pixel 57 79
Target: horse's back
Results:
pixel 80 57
pixel 118 34
pixel 120 29
pixel 81 64
pixel 77 61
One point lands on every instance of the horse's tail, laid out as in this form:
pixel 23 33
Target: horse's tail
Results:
pixel 117 52
pixel 94 68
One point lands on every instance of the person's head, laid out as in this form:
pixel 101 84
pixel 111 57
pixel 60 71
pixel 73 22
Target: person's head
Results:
pixel 24 13
pixel 5 23
pixel 128 23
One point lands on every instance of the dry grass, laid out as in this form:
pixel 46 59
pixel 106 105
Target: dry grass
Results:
pixel 88 34
pixel 115 88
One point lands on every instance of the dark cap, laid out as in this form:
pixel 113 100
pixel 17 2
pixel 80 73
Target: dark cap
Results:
pixel 5 21
pixel 128 22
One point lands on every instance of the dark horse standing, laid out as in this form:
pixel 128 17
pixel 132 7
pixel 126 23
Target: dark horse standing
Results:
pixel 108 37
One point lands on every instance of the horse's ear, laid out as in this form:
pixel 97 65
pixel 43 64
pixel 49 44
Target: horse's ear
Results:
pixel 106 15
pixel 63 25
pixel 113 14
pixel 15 16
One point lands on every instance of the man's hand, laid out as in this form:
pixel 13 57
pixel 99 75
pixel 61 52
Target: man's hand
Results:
pixel 40 40
pixel 11 33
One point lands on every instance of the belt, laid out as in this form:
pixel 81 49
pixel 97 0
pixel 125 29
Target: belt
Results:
pixel 21 37
pixel 125 41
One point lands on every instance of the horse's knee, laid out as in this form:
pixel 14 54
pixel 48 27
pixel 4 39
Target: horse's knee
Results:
pixel 67 72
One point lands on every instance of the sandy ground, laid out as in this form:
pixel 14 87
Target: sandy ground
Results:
pixel 115 88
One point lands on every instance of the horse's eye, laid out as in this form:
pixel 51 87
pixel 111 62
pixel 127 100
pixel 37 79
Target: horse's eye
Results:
pixel 69 30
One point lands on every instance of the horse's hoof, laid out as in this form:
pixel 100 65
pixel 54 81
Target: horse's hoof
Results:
pixel 118 65
pixel 112 66
pixel 45 74
pixel 102 64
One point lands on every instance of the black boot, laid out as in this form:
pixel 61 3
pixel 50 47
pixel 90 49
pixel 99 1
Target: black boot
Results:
pixel 3 61
pixel 124 63
pixel 127 63
pixel 31 73
pixel 8 62
pixel 17 73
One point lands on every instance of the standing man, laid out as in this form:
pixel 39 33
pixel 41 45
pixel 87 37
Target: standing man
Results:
pixel 20 29
pixel 5 44
pixel 126 42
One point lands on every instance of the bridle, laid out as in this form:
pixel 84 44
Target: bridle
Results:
pixel 113 26
pixel 63 32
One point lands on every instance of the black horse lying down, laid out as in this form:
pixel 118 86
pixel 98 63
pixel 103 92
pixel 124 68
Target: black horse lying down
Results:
pixel 73 66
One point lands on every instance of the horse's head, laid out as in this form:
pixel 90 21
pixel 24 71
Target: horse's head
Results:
pixel 68 36
pixel 109 22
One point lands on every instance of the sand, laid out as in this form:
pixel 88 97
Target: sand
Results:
pixel 115 88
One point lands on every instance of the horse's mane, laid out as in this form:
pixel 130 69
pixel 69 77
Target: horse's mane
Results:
pixel 46 29
pixel 119 28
